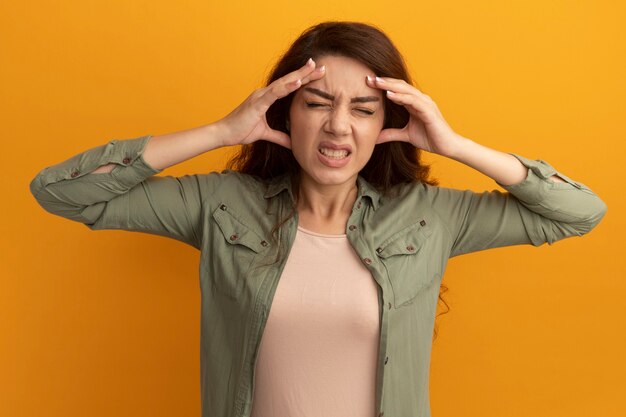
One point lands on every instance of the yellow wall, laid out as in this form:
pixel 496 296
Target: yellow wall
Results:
pixel 540 332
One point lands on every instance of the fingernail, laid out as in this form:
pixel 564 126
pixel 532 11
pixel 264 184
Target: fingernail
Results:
pixel 369 78
pixel 310 61
pixel 298 82
pixel 380 80
pixel 390 93
pixel 323 68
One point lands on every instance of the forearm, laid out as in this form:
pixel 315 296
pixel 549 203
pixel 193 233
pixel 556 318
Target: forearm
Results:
pixel 163 151
pixel 504 168
pixel 68 188
pixel 541 204
pixel 570 207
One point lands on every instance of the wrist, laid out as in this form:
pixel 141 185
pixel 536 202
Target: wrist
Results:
pixel 217 134
pixel 459 147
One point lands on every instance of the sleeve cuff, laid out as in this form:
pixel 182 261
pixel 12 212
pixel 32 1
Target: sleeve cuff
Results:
pixel 126 154
pixel 132 167
pixel 536 185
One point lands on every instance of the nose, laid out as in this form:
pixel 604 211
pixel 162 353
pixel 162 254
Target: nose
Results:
pixel 338 122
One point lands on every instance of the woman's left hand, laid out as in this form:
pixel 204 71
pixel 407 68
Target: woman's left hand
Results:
pixel 426 129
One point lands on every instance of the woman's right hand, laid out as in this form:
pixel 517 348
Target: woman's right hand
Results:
pixel 248 123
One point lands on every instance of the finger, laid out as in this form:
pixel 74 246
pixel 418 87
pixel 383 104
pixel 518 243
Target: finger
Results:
pixel 278 137
pixel 315 75
pixel 301 72
pixel 390 135
pixel 293 77
pixel 290 82
pixel 411 100
pixel 395 85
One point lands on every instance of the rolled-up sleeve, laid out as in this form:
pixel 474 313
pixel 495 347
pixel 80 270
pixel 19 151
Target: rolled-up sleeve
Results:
pixel 130 197
pixel 534 211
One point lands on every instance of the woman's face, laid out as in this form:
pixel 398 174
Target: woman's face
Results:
pixel 335 122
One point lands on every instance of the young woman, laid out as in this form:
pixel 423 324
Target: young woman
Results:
pixel 324 246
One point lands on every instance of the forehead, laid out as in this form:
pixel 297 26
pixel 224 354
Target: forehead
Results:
pixel 343 75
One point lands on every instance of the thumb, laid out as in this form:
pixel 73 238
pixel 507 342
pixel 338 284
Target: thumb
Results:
pixel 390 135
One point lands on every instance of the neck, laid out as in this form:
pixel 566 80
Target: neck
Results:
pixel 319 205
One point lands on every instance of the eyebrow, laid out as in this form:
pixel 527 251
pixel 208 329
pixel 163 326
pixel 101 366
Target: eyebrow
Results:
pixel 331 97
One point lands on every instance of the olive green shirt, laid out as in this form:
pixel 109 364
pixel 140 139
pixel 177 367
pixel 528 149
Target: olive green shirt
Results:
pixel 405 241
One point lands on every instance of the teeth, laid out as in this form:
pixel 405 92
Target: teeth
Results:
pixel 332 153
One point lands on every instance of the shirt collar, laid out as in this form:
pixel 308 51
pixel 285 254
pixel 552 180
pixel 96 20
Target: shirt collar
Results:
pixel 278 184
pixel 366 189
pixel 283 182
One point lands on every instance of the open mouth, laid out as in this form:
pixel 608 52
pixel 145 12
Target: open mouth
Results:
pixel 334 153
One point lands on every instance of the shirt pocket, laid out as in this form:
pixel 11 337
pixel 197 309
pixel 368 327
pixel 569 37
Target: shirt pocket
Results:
pixel 404 256
pixel 237 247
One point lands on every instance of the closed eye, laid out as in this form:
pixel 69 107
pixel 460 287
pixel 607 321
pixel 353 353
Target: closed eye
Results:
pixel 315 104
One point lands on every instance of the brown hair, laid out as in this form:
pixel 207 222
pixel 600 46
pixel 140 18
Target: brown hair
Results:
pixel 391 163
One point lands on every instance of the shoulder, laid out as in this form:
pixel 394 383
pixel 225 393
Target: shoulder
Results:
pixel 434 195
pixel 231 185
pixel 409 193
pixel 238 204
pixel 238 179
pixel 422 203
pixel 406 203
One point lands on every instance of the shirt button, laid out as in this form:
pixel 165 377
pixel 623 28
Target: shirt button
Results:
pixel 367 261
pixel 126 160
pixel 358 205
pixel 75 174
pixel 410 248
pixel 386 359
pixel 223 206
pixel 389 305
pixel 263 243
pixel 233 237
pixel 422 223
pixel 379 250
pixel 352 227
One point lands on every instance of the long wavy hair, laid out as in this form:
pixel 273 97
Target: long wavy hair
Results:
pixel 391 163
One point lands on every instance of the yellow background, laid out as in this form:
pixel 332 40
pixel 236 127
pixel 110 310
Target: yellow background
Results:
pixel 531 331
